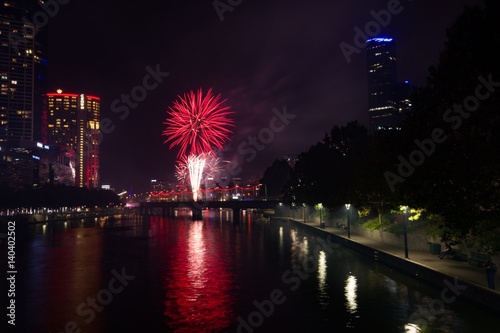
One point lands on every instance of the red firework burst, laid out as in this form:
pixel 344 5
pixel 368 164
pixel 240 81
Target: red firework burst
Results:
pixel 198 123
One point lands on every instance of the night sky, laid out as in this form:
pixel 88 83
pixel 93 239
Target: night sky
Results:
pixel 264 55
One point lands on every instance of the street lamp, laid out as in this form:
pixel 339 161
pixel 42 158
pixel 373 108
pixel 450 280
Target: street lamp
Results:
pixel 265 192
pixel 320 205
pixel 304 206
pixel 405 229
pixel 347 206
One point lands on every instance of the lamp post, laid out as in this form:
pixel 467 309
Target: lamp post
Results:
pixel 265 190
pixel 405 229
pixel 304 206
pixel 293 210
pixel 347 206
pixel 320 205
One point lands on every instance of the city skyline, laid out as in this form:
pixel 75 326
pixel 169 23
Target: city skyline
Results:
pixel 289 71
pixel 250 166
pixel 23 73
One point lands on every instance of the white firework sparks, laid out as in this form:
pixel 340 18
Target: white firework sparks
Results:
pixel 195 166
pixel 196 169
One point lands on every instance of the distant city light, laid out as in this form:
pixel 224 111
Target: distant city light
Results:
pixel 380 39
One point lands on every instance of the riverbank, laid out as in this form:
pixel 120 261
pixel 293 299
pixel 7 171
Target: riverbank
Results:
pixel 457 279
pixel 65 216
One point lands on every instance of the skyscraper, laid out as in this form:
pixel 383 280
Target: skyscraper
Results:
pixel 23 67
pixel 382 83
pixel 72 122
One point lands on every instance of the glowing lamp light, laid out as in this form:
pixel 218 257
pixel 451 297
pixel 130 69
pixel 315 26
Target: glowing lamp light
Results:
pixel 347 206
pixel 320 206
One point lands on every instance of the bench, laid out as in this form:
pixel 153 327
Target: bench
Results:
pixel 478 259
pixel 456 255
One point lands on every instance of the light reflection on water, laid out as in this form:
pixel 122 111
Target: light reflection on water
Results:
pixel 323 296
pixel 200 276
pixel 199 284
pixel 351 287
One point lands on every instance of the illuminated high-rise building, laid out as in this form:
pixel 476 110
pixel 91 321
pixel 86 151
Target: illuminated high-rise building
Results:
pixel 23 67
pixel 389 102
pixel 72 122
pixel 382 81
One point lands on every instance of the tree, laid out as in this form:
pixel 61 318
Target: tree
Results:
pixel 370 163
pixel 324 173
pixel 460 179
pixel 276 177
pixel 54 196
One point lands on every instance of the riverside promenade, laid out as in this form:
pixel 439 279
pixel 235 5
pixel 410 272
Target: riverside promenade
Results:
pixel 469 281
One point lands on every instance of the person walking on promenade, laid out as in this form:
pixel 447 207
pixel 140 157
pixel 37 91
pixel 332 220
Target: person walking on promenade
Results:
pixel 491 269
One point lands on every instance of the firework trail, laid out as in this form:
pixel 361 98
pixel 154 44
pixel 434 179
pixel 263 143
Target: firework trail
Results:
pixel 213 166
pixel 198 123
pixel 195 165
pixel 197 169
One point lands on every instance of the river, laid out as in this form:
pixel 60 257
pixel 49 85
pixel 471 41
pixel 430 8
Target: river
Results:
pixel 154 274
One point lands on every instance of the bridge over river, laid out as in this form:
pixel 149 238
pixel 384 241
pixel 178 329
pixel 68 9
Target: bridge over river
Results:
pixel 168 207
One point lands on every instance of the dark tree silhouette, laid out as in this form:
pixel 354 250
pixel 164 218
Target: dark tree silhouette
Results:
pixel 460 178
pixel 54 196
pixel 325 172
pixel 276 177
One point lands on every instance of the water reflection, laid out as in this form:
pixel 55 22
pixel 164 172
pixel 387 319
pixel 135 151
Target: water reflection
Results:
pixel 322 285
pixel 281 248
pixel 199 283
pixel 62 269
pixel 201 276
pixel 351 287
pixel 299 249
pixel 305 247
pixel 196 259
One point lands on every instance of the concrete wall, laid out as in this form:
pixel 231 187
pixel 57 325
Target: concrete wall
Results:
pixel 415 242
pixel 480 296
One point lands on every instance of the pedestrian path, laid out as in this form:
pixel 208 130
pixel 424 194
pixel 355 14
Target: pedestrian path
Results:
pixel 463 270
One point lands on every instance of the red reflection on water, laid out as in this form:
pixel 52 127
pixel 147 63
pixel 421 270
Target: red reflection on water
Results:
pixel 68 270
pixel 199 282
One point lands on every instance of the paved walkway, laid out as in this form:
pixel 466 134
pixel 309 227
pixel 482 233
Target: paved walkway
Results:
pixel 453 268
